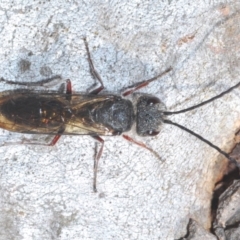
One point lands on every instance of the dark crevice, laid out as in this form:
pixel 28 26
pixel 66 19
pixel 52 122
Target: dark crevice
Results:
pixel 235 225
pixel 232 173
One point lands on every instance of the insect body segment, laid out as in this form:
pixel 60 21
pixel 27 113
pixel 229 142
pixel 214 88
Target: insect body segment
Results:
pixel 37 114
pixel 115 114
pixel 29 112
pixel 149 116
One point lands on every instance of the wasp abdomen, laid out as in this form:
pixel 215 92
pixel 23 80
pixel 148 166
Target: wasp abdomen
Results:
pixel 36 111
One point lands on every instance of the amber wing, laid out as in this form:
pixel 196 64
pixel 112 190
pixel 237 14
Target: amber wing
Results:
pixel 52 113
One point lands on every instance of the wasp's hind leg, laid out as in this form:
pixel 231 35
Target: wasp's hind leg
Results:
pixel 69 90
pixel 38 141
pixel 32 84
pixel 93 71
pixel 96 161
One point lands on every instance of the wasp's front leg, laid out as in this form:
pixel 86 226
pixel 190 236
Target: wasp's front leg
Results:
pixel 144 83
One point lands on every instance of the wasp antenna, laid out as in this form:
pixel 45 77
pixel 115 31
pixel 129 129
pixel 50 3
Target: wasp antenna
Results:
pixel 204 140
pixel 203 103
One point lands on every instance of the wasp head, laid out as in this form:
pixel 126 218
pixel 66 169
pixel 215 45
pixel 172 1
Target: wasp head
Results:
pixel 149 115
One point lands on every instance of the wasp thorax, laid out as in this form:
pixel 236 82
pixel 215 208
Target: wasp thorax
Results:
pixel 149 115
pixel 116 113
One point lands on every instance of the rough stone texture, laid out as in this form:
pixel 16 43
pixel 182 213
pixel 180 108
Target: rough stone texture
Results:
pixel 227 220
pixel 227 213
pixel 197 232
pixel 233 233
pixel 46 193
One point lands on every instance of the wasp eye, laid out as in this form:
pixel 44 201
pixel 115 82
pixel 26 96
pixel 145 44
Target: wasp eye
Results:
pixel 152 133
pixel 153 100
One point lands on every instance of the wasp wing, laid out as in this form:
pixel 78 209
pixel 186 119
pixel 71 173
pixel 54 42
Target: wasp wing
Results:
pixel 25 111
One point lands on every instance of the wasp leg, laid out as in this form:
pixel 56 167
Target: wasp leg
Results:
pixel 144 83
pixel 55 140
pixel 69 90
pixel 141 144
pixel 56 137
pixel 30 142
pixel 31 84
pixel 96 161
pixel 93 71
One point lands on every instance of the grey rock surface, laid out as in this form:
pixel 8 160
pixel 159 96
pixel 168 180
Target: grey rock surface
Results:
pixel 227 220
pixel 46 192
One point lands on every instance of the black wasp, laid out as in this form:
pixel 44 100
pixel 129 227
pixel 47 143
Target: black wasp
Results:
pixel 56 113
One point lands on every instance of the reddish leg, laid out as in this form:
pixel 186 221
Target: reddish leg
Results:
pixel 69 90
pixel 69 87
pixel 93 71
pixel 29 142
pixel 141 144
pixel 142 84
pixel 96 161
pixel 55 140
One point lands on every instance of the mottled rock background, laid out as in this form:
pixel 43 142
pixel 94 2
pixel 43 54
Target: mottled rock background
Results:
pixel 46 192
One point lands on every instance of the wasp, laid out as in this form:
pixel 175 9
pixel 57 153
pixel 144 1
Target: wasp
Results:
pixel 56 113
